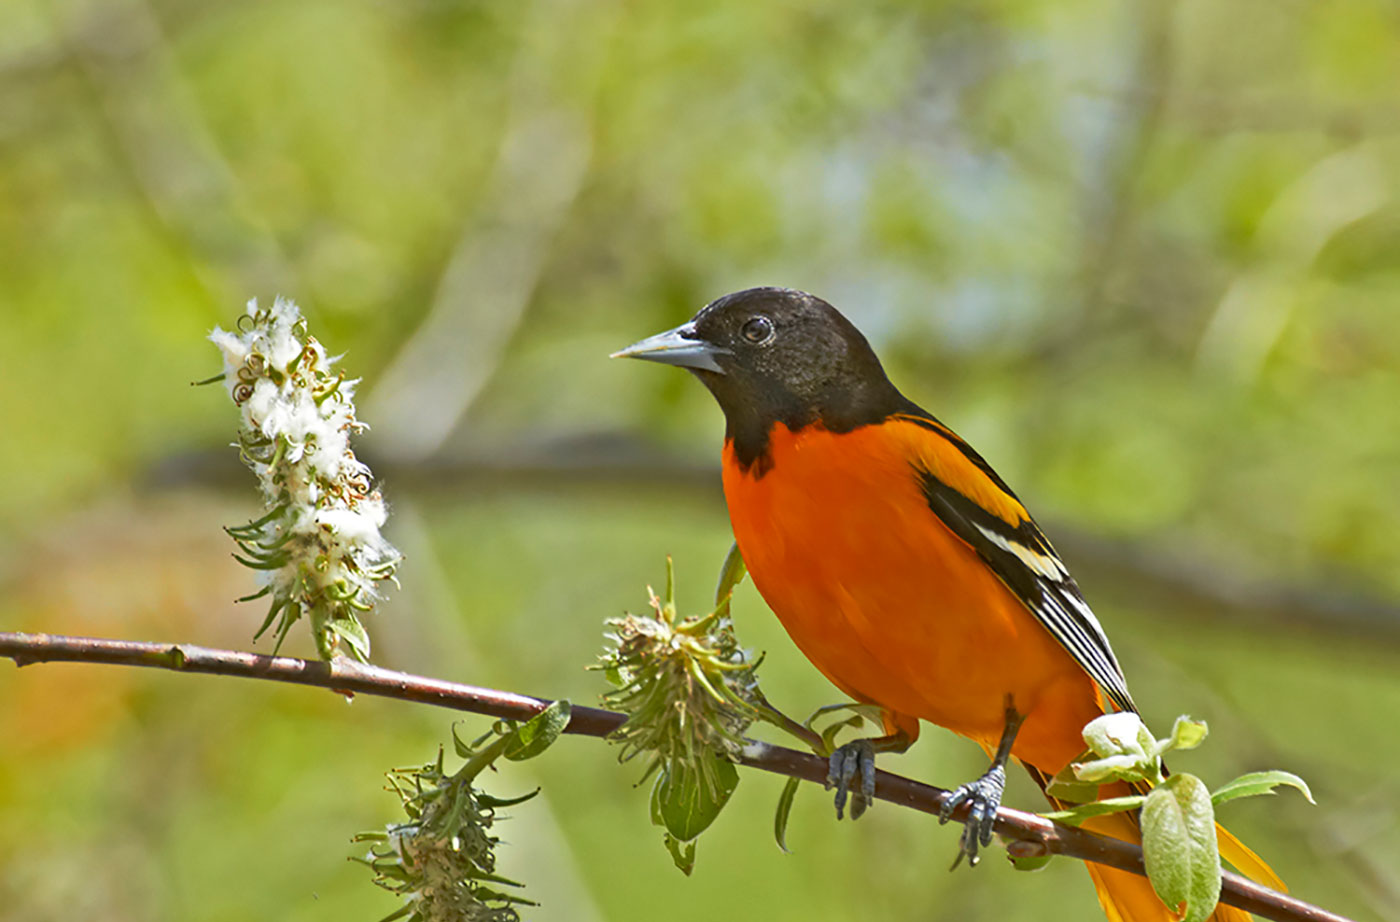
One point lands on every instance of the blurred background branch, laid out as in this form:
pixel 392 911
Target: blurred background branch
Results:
pixel 490 277
pixel 1198 587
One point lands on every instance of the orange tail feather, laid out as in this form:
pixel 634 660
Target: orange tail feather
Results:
pixel 1246 862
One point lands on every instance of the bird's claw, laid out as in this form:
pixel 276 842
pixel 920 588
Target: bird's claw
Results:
pixel 983 796
pixel 854 758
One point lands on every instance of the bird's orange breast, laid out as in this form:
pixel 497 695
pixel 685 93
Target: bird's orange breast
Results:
pixel 886 601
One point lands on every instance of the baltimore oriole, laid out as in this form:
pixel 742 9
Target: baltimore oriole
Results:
pixel 902 566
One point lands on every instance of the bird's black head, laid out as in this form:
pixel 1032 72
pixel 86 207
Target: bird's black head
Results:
pixel 772 355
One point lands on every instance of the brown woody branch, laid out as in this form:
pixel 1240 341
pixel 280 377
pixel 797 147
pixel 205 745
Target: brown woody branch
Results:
pixel 1030 834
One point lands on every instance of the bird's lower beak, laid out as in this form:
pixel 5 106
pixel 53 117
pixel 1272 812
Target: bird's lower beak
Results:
pixel 680 346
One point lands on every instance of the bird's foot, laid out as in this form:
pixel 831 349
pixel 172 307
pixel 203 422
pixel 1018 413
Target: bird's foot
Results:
pixel 852 760
pixel 983 796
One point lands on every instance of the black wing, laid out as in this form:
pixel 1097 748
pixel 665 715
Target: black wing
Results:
pixel 1021 557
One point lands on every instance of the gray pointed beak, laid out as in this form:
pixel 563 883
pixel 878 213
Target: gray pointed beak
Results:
pixel 680 346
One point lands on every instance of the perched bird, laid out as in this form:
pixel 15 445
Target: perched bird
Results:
pixel 902 566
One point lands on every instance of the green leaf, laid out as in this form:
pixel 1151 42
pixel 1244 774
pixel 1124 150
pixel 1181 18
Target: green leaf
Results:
pixel 870 712
pixel 459 746
pixel 1179 847
pixel 1033 863
pixel 256 595
pixel 353 633
pixel 685 803
pixel 656 818
pixel 1076 815
pixel 291 614
pixel 491 803
pixel 277 605
pixel 780 819
pixel 829 734
pixel 1186 734
pixel 682 853
pixel 1113 768
pixel 731 574
pixel 539 732
pixel 1256 783
pixel 489 894
pixel 1066 785
pixel 373 835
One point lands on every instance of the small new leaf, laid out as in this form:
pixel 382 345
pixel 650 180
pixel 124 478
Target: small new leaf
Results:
pixel 1179 847
pixel 1126 750
pixel 1256 783
pixel 1066 786
pixel 349 630
pixel 731 574
pixel 1114 768
pixel 538 733
pixel 829 734
pixel 1032 863
pixel 459 745
pixel 860 714
pixel 494 803
pixel 1026 855
pixel 1186 734
pixel 780 818
pixel 1076 815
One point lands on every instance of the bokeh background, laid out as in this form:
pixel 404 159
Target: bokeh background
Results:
pixel 1144 254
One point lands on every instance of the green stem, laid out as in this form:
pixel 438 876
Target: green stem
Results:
pixel 482 760
pixel 771 715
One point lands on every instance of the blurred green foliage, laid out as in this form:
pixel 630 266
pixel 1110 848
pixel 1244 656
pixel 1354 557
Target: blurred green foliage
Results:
pixel 1144 255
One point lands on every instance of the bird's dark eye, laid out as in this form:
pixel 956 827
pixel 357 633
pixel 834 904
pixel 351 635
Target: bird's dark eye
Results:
pixel 758 330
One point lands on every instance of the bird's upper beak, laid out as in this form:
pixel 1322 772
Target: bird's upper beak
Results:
pixel 681 346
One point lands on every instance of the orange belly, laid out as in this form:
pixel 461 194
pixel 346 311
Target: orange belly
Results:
pixel 888 603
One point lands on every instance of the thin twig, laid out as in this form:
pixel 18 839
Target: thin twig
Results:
pixel 1041 835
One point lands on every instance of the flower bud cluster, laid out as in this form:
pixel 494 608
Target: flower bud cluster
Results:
pixel 443 859
pixel 317 550
pixel 689 690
